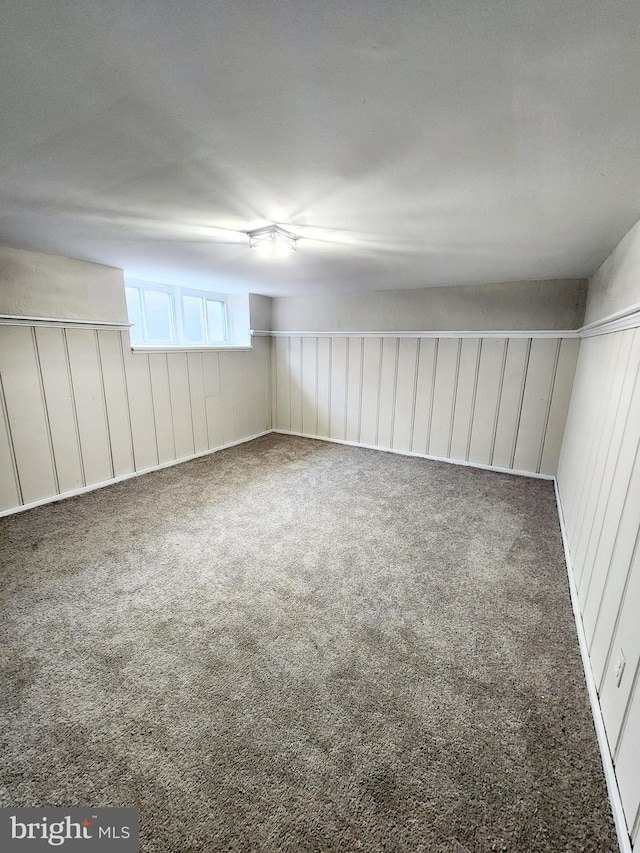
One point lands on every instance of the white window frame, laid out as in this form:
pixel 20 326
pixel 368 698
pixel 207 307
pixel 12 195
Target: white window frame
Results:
pixel 176 294
pixel 207 296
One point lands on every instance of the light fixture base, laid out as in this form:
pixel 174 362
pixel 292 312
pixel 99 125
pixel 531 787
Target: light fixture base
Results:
pixel 272 237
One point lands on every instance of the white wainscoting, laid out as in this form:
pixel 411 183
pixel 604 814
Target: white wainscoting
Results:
pixel 78 408
pixel 497 401
pixel 599 488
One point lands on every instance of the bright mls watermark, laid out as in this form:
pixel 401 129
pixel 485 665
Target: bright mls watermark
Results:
pixel 103 830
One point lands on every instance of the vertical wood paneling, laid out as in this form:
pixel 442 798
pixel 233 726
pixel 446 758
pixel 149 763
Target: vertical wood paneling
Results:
pixel 324 385
pixel 510 405
pixel 212 399
pixel 599 486
pixel 195 371
pixel 58 393
pixel 486 400
pixel 309 386
pixel 561 394
pixel 614 698
pixel 143 431
pixel 371 362
pixel 598 380
pixel 535 404
pixel 427 357
pixel 228 380
pixel 162 415
pixel 262 366
pixel 465 397
pixel 295 378
pixel 9 487
pixel 180 403
pixel 628 761
pixel 283 384
pixel 605 591
pixel 85 408
pixel 386 402
pixel 404 407
pixel 485 410
pixel 91 412
pixel 354 388
pixel 115 395
pixel 623 429
pixel 338 404
pixel 443 396
pixel 241 395
pixel 26 413
pixel 600 457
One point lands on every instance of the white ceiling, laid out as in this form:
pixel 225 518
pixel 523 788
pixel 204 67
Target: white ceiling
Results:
pixel 415 143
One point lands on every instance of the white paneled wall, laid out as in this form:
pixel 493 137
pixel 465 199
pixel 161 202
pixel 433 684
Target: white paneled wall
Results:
pixel 496 401
pixel 77 407
pixel 599 487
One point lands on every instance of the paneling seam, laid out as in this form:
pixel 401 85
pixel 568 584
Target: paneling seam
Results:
pixel 126 401
pixel 600 430
pixel 377 433
pixel 552 386
pixel 434 369
pixel 104 401
pixel 472 410
pixel 153 409
pixel 598 501
pixel 416 366
pixel 43 397
pixel 360 389
pixel 346 386
pixel 627 711
pixel 613 551
pixel 496 417
pixel 74 406
pixel 12 451
pixel 523 386
pixel 454 402
pixel 613 476
pixel 394 393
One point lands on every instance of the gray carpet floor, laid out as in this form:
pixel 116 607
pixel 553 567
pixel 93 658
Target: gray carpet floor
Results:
pixel 300 646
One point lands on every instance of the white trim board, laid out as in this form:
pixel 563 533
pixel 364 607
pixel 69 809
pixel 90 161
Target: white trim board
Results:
pixel 15 320
pixel 93 486
pixel 466 333
pixel 627 318
pixel 615 801
pixel 432 458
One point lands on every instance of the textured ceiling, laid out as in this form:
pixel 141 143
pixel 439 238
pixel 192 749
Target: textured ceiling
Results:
pixel 412 143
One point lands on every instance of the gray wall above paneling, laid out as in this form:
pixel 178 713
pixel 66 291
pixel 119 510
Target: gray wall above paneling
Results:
pixel 34 284
pixel 615 286
pixel 557 304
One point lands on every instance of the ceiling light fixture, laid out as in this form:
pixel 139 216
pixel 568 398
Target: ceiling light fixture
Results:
pixel 273 240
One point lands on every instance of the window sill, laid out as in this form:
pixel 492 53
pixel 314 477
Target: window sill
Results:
pixel 166 348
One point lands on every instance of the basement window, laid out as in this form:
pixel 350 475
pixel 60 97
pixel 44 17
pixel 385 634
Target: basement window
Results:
pixel 170 317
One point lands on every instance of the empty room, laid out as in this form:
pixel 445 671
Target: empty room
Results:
pixel 320 426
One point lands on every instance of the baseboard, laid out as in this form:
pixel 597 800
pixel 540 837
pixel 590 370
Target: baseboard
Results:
pixel 463 462
pixel 607 763
pixel 93 486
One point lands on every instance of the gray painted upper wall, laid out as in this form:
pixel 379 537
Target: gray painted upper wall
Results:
pixel 33 284
pixel 616 284
pixel 260 312
pixel 557 304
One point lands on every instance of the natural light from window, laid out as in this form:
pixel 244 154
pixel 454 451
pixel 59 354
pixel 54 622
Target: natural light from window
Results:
pixel 165 316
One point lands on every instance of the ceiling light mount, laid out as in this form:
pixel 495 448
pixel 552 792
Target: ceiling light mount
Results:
pixel 272 238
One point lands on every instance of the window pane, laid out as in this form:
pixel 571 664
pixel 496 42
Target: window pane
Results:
pixel 216 321
pixel 134 311
pixel 157 315
pixel 192 309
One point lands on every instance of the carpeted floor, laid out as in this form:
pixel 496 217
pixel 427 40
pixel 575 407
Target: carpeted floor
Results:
pixel 299 646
